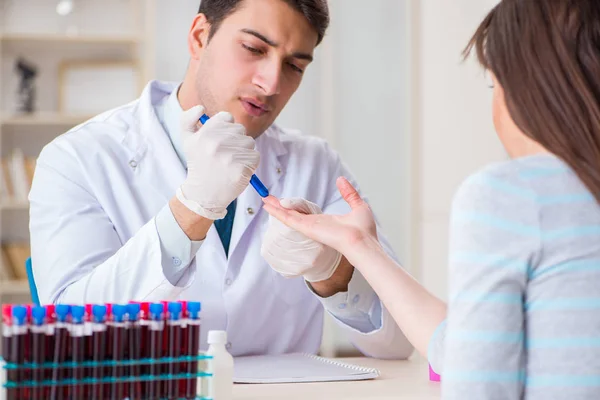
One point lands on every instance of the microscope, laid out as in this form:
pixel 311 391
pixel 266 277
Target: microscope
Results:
pixel 26 91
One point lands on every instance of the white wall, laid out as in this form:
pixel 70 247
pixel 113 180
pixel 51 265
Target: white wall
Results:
pixel 453 128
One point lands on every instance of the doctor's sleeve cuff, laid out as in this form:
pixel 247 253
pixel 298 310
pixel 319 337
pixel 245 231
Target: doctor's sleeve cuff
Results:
pixel 359 307
pixel 177 249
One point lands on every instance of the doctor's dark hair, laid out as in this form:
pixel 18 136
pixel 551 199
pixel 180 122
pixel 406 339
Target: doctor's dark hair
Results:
pixel 315 11
pixel 546 56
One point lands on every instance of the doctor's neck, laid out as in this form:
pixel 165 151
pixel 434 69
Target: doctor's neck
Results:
pixel 188 96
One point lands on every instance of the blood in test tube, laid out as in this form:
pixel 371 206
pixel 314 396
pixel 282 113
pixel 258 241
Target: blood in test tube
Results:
pixel 7 337
pixel 19 339
pixel 144 322
pixel 156 328
pixel 98 351
pixel 174 328
pixel 77 389
pixel 165 347
pixel 17 350
pixel 117 331
pixel 38 351
pixel 61 344
pixel 182 352
pixel 134 345
pixel 88 343
pixel 50 342
pixel 193 346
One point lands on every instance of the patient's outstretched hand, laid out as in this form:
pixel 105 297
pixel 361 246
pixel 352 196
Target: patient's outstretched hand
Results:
pixel 347 233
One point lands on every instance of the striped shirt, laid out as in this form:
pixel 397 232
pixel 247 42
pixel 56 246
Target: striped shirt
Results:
pixel 524 300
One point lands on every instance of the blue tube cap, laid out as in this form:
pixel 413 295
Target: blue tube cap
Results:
pixel 193 308
pixel 119 311
pixel 99 312
pixel 175 311
pixel 77 314
pixel 38 314
pixel 156 311
pixel 19 314
pixel 62 312
pixel 133 310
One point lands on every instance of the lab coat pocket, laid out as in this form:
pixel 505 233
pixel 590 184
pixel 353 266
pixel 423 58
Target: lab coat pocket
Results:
pixel 290 290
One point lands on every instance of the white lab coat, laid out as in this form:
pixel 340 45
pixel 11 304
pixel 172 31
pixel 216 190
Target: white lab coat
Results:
pixel 96 192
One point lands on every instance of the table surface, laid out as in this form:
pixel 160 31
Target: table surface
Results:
pixel 397 380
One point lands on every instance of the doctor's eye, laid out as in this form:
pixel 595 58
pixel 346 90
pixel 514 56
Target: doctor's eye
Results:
pixel 295 68
pixel 252 49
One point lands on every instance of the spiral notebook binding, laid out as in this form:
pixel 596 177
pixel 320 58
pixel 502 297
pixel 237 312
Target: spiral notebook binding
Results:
pixel 342 364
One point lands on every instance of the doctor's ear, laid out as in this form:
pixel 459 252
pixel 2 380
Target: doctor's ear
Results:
pixel 198 36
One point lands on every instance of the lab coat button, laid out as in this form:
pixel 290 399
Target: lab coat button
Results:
pixel 228 282
pixel 278 170
pixel 250 211
pixel 356 298
pixel 342 306
pixel 176 261
pixel 133 163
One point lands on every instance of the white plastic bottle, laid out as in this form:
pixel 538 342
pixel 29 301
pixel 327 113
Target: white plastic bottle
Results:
pixel 220 385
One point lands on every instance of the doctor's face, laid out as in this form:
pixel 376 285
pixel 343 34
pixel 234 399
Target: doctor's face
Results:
pixel 254 62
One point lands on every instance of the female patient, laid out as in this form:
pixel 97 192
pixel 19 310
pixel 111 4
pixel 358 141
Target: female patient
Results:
pixel 523 318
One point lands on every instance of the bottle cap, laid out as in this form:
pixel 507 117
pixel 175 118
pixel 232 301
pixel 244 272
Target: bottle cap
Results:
pixel 217 337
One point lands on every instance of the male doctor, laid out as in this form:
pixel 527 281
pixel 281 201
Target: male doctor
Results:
pixel 144 203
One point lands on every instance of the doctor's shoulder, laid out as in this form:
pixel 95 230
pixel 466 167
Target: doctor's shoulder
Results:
pixel 103 132
pixel 305 147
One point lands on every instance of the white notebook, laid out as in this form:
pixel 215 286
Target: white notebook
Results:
pixel 297 367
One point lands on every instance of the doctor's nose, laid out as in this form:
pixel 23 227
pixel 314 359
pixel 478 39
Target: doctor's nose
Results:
pixel 268 79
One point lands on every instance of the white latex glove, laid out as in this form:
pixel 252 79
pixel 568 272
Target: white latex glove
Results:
pixel 293 254
pixel 220 160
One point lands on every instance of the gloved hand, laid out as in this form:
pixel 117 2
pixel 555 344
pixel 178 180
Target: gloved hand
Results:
pixel 293 254
pixel 220 160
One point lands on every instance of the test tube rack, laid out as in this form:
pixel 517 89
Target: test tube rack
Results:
pixel 18 380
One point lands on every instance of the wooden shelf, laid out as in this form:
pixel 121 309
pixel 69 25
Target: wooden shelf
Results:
pixel 43 119
pixel 45 38
pixel 14 206
pixel 18 287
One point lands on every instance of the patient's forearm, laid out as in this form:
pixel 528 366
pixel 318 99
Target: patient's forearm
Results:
pixel 416 311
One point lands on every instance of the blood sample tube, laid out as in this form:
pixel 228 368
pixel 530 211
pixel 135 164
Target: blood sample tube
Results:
pixel 118 332
pixel 135 347
pixel 88 343
pixel 38 351
pixel 98 350
pixel 50 342
pixel 17 354
pixel 145 344
pixel 193 346
pixel 174 328
pixel 165 349
pixel 61 343
pixel 156 328
pixel 183 351
pixel 7 336
pixel 77 339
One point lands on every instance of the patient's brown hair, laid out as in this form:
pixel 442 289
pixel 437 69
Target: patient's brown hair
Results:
pixel 546 56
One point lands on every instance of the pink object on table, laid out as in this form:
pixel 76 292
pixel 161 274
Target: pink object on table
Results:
pixel 433 376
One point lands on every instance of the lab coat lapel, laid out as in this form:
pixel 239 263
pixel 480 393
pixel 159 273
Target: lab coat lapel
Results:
pixel 157 162
pixel 270 172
